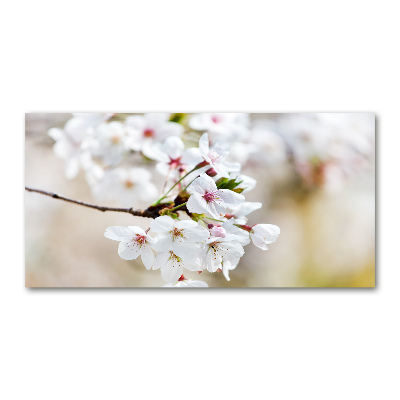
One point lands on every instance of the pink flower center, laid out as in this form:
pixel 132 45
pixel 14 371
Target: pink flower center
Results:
pixel 211 197
pixel 148 133
pixel 215 119
pixel 175 162
pixel 140 239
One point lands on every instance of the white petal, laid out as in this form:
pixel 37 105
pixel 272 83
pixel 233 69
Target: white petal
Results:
pixel 229 265
pixel 171 271
pixel 188 253
pixel 246 208
pixel 173 147
pixel 162 224
pixel 220 209
pixel 193 283
pixel 119 233
pixel 186 224
pixel 161 259
pixel 209 261
pixel 230 198
pixel 137 230
pixel 197 234
pixel 191 157
pixel 163 243
pixel 196 204
pixel 204 144
pixel 230 250
pixel 128 251
pixel 154 151
pixel 147 256
pixel 258 241
pixel 269 232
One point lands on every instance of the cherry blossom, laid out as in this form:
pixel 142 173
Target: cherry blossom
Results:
pixel 263 234
pixel 179 236
pixel 126 186
pixel 134 241
pixel 151 127
pixel 109 141
pixel 68 144
pixel 218 250
pixel 172 265
pixel 171 155
pixel 216 157
pixel 207 198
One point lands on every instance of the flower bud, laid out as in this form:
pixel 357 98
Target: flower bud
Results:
pixel 211 172
pixel 218 231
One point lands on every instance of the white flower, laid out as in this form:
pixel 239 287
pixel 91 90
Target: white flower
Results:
pixel 216 157
pixel 178 236
pixel 218 250
pixel 151 127
pixel 263 234
pixel 133 241
pixel 222 126
pixel 172 155
pixel 68 144
pixel 186 283
pixel 109 141
pixel 126 186
pixel 172 265
pixel 207 198
pixel 238 214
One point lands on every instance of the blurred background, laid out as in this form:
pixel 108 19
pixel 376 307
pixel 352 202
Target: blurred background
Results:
pixel 315 176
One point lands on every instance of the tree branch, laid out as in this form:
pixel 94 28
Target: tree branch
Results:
pixel 150 212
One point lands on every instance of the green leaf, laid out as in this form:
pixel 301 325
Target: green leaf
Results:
pixel 221 182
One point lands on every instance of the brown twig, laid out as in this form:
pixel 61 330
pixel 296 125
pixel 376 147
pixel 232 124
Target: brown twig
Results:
pixel 150 212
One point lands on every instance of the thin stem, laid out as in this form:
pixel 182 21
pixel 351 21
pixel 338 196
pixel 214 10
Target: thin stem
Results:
pixel 213 219
pixel 175 208
pixel 148 213
pixel 176 183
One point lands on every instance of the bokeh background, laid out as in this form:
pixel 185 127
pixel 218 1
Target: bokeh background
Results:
pixel 327 234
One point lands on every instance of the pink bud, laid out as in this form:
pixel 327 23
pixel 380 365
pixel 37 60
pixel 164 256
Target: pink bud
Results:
pixel 218 231
pixel 211 172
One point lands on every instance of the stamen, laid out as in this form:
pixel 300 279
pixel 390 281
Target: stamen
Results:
pixel 211 197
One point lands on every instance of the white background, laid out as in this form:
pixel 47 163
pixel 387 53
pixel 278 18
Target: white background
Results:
pixel 199 56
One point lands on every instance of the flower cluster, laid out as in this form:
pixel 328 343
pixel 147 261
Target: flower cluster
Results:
pixel 212 238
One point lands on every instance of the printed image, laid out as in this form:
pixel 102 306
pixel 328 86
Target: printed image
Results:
pixel 200 200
